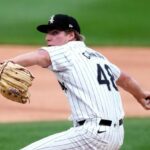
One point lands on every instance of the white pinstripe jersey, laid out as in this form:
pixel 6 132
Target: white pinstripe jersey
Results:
pixel 88 79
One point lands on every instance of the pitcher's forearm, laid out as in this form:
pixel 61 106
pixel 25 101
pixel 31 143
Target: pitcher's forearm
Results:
pixel 23 60
pixel 131 85
pixel 40 58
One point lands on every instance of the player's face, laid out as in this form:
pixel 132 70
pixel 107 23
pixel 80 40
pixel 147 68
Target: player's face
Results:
pixel 57 37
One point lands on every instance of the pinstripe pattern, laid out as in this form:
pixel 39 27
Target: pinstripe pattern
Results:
pixel 86 97
pixel 89 82
pixel 82 138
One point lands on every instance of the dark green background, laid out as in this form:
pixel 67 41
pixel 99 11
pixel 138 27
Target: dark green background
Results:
pixel 103 22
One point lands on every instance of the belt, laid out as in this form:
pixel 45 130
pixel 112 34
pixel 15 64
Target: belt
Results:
pixel 102 122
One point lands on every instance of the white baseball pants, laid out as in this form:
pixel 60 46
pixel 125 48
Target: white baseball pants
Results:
pixel 89 136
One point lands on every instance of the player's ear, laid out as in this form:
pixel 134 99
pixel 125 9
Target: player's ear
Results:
pixel 71 35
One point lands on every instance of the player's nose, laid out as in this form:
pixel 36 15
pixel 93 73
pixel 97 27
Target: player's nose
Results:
pixel 48 37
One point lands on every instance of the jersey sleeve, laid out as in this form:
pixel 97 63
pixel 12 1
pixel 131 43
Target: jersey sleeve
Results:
pixel 60 57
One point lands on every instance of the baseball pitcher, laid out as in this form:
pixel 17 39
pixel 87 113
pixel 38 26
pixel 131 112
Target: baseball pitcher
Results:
pixel 90 82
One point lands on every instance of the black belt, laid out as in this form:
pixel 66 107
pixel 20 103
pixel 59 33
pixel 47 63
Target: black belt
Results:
pixel 103 122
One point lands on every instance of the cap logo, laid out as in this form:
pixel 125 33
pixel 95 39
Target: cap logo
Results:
pixel 70 26
pixel 52 19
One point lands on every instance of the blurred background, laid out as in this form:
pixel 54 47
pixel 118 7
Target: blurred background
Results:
pixel 119 29
pixel 103 22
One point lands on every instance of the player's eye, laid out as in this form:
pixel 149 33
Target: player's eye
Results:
pixel 54 32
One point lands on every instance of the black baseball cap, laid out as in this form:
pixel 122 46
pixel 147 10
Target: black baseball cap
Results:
pixel 61 22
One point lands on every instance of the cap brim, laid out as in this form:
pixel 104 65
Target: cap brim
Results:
pixel 46 28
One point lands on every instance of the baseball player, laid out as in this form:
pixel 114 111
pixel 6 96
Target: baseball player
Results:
pixel 90 82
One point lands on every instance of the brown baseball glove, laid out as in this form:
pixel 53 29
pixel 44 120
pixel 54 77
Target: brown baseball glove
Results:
pixel 15 81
